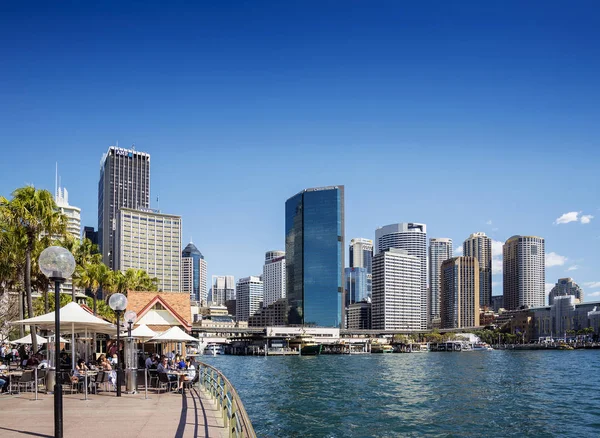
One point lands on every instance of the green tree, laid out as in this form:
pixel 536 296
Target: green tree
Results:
pixel 32 213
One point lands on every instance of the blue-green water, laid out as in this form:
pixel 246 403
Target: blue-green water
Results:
pixel 471 394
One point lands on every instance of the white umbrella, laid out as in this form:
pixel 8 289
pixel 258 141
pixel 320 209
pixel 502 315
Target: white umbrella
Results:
pixel 27 340
pixel 174 334
pixel 72 316
pixel 63 340
pixel 142 332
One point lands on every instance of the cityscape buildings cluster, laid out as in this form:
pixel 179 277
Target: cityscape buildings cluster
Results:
pixel 394 282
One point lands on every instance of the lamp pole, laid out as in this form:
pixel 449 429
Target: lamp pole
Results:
pixel 57 264
pixel 118 302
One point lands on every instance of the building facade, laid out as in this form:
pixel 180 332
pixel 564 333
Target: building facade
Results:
pixel 359 316
pixel 524 272
pixel 314 248
pixel 479 245
pixel 565 287
pixel 356 285
pixel 565 317
pixel 223 289
pixel 91 234
pixel 440 250
pixel 193 273
pixel 396 301
pixel 361 256
pixel 73 214
pixel 459 306
pixel 274 277
pixel 249 297
pixel 124 183
pixel 275 314
pixel 151 241
pixel 411 237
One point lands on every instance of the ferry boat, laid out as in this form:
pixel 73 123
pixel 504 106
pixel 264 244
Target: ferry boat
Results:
pixel 213 349
pixel 306 345
pixel 481 346
pixel 376 347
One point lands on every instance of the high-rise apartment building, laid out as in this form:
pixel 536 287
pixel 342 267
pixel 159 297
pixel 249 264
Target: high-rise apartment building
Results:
pixel 524 272
pixel 565 287
pixel 249 297
pixel 149 240
pixel 479 245
pixel 411 237
pixel 124 183
pixel 359 316
pixel 223 289
pixel 273 277
pixel 396 301
pixel 459 305
pixel 361 256
pixel 193 273
pixel 314 248
pixel 73 214
pixel 356 285
pixel 440 250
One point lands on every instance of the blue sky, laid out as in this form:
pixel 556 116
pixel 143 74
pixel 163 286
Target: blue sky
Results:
pixel 467 117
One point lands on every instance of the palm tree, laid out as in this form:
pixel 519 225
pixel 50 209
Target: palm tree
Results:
pixel 104 280
pixel 32 213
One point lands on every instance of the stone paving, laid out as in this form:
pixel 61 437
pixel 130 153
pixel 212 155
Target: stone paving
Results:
pixel 192 414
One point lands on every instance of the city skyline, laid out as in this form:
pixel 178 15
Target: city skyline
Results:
pixel 375 87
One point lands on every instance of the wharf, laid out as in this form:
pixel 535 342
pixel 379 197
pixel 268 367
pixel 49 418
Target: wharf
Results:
pixel 193 414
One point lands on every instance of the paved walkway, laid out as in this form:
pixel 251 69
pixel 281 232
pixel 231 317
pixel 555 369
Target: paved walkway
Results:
pixel 193 414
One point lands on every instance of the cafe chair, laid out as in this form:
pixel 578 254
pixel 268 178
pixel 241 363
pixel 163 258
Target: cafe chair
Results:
pixel 26 380
pixel 164 382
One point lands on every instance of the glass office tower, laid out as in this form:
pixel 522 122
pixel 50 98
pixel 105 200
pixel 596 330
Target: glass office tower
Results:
pixel 314 246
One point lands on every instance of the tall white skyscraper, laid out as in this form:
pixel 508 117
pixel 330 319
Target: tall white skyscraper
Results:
pixel 524 272
pixel 440 250
pixel 479 245
pixel 151 241
pixel 249 297
pixel 223 289
pixel 273 277
pixel 411 237
pixel 73 214
pixel 396 299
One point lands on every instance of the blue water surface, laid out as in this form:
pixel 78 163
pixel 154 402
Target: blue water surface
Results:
pixel 470 394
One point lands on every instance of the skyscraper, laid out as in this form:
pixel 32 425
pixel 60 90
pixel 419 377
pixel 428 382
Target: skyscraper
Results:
pixel 151 241
pixel 193 273
pixel 459 293
pixel 73 214
pixel 249 297
pixel 411 237
pixel 314 248
pixel 273 277
pixel 223 289
pixel 356 285
pixel 361 256
pixel 565 287
pixel 479 245
pixel 524 272
pixel 440 249
pixel 124 183
pixel 396 301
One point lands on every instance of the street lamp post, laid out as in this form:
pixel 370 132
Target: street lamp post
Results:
pixel 57 264
pixel 118 302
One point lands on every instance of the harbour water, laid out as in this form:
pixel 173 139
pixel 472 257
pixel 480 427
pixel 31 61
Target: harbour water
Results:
pixel 471 394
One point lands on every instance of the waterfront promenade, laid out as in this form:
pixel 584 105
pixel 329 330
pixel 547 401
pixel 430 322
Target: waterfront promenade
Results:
pixel 167 415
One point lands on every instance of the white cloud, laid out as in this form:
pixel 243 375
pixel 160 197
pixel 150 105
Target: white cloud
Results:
pixel 489 222
pixel 594 294
pixel 553 259
pixel 458 251
pixel 497 248
pixel 548 287
pixel 571 216
pixel 592 284
pixel 586 218
pixel 573 268
pixel 496 266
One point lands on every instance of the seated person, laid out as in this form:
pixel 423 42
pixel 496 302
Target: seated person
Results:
pixel 151 362
pixel 32 362
pixel 81 366
pixel 163 367
pixel 191 373
pixel 107 367
pixel 3 377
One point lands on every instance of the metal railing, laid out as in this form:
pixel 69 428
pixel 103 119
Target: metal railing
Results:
pixel 222 391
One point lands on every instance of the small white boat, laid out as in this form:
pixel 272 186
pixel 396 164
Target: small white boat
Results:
pixel 481 346
pixel 213 349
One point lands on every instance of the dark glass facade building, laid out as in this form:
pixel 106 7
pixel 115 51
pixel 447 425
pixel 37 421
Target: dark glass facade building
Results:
pixel 314 246
pixel 357 285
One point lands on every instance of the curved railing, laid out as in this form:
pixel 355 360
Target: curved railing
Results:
pixel 220 389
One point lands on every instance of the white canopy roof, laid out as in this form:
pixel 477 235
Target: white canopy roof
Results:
pixel 174 334
pixel 27 340
pixel 73 318
pixel 141 332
